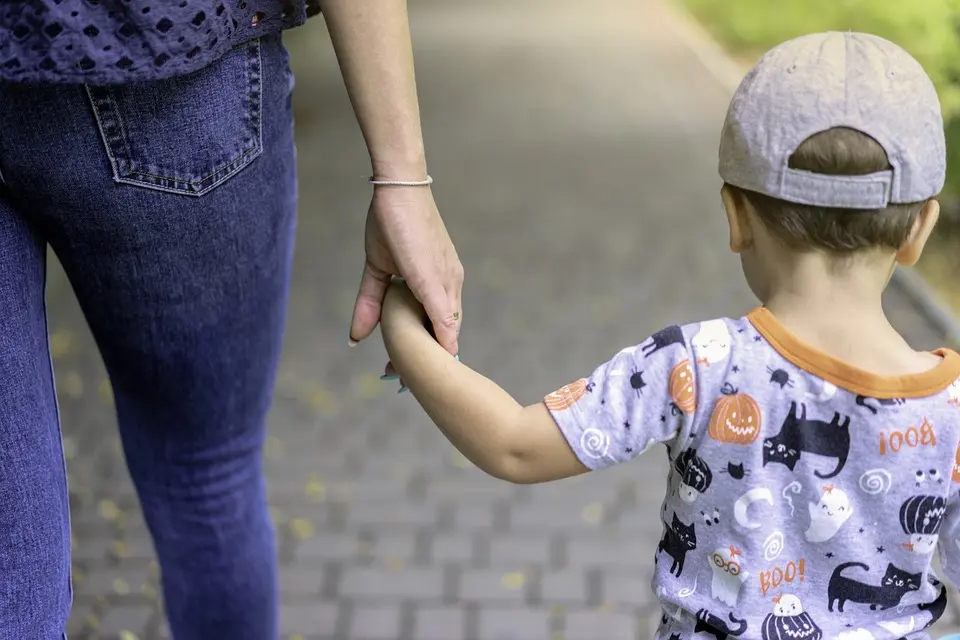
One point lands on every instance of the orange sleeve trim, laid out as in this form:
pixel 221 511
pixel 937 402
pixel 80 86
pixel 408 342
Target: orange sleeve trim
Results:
pixel 847 376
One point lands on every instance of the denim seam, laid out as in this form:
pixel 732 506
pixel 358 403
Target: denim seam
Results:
pixel 108 147
pixel 105 108
pixel 63 457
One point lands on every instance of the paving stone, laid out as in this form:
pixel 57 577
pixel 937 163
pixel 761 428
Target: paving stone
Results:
pixel 378 583
pixel 393 545
pixel 591 625
pixel 126 579
pixel 483 585
pixel 474 516
pixel 514 624
pixel 608 551
pixel 375 622
pixel 520 551
pixel 313 619
pixel 328 546
pixel 392 515
pixel 439 623
pixel 630 589
pixel 549 517
pixel 120 618
pixel 456 547
pixel 302 581
pixel 564 587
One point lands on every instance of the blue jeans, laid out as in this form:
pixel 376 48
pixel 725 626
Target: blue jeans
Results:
pixel 171 207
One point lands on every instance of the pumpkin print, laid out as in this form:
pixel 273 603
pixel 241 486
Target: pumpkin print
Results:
pixel 736 418
pixel 956 466
pixel 682 391
pixel 566 396
pixel 789 621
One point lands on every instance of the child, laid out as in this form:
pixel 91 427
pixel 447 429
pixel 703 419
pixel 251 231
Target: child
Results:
pixel 830 442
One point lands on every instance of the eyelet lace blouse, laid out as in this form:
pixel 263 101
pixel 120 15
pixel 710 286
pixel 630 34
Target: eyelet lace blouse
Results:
pixel 122 41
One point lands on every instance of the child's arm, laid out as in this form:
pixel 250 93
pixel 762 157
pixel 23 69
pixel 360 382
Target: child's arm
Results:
pixel 627 404
pixel 503 438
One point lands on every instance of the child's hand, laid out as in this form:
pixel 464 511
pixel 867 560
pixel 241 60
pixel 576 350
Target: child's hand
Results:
pixel 401 310
pixel 402 314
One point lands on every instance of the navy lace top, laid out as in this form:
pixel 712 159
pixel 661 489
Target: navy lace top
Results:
pixel 122 41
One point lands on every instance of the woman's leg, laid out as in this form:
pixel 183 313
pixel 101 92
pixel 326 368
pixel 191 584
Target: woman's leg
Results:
pixel 34 511
pixel 186 297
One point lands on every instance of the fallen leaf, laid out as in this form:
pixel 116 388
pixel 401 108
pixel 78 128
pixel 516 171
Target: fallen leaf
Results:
pixel 513 580
pixel 302 529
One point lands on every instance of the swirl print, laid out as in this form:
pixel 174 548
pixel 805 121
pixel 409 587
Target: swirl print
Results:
pixel 876 481
pixel 773 546
pixel 595 443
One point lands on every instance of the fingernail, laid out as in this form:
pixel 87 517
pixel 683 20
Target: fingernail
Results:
pixel 351 342
pixel 389 376
pixel 403 388
pixel 457 357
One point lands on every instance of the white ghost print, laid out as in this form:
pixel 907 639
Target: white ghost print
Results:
pixel 787 606
pixel 828 515
pixel 858 634
pixel 728 575
pixel 712 342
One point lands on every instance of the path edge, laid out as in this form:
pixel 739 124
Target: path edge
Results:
pixel 728 73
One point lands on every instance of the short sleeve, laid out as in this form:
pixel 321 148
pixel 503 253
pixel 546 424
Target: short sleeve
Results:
pixel 644 395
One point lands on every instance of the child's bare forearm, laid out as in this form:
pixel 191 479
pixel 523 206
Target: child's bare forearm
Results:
pixel 477 416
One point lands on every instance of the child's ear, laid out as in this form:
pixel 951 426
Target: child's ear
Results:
pixel 910 252
pixel 735 205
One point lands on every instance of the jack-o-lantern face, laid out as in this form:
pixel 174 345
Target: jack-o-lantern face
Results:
pixel 956 466
pixel 566 396
pixel 736 418
pixel 682 389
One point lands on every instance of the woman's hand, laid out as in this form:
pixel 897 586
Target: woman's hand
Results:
pixel 405 237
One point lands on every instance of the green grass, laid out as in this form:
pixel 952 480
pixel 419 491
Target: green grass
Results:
pixel 928 29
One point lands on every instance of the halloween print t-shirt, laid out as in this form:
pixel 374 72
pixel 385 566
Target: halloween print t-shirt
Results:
pixel 806 497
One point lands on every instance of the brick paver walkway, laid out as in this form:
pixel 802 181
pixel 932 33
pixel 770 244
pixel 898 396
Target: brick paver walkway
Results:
pixel 574 147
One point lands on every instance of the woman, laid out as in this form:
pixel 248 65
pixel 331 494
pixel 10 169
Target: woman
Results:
pixel 150 144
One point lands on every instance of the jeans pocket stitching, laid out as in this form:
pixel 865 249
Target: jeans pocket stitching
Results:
pixel 110 124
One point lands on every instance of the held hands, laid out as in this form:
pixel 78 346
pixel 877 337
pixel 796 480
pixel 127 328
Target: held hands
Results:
pixel 403 317
pixel 405 237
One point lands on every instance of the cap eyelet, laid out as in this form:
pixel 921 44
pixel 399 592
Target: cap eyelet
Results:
pixel 791 68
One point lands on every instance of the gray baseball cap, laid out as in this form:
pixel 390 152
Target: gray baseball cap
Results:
pixel 835 79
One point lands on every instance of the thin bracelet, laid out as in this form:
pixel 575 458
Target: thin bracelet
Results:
pixel 401 183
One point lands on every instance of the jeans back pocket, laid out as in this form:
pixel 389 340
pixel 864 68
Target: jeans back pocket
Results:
pixel 185 134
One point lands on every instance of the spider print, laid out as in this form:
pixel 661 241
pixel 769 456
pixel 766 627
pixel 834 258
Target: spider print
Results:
pixel 780 377
pixel 637 382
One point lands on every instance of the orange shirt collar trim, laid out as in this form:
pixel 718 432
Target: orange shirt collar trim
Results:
pixel 849 377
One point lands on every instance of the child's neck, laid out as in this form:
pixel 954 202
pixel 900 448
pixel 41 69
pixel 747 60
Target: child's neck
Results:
pixel 842 314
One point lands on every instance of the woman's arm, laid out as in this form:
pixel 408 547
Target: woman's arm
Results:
pixel 404 233
pixel 372 42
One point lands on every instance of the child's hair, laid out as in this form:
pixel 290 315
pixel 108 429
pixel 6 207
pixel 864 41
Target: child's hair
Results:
pixel 842 152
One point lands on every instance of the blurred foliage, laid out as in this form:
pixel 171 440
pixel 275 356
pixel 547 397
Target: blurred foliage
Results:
pixel 928 29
